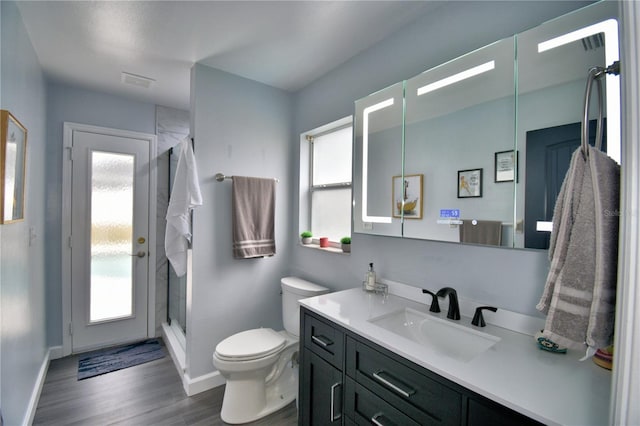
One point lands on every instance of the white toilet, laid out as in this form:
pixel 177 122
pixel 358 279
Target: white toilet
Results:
pixel 260 365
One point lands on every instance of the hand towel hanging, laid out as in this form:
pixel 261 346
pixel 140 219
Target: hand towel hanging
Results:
pixel 253 211
pixel 579 295
pixel 488 232
pixel 185 196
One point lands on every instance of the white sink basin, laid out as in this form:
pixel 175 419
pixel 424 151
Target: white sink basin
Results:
pixel 442 336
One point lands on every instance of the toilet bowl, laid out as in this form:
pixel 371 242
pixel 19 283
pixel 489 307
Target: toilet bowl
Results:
pixel 260 365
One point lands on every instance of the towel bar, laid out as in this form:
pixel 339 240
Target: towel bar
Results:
pixel 221 177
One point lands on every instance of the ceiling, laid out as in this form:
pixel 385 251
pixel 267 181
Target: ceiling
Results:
pixel 285 44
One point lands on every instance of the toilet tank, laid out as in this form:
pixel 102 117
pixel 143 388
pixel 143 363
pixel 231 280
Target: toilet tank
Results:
pixel 294 289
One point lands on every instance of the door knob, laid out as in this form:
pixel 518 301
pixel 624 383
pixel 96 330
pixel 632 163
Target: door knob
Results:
pixel 139 254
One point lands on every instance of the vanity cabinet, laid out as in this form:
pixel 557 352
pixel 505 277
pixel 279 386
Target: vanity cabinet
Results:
pixel 321 372
pixel 414 391
pixel 346 379
pixel 321 404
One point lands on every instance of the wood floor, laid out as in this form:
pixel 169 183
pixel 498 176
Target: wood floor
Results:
pixel 147 394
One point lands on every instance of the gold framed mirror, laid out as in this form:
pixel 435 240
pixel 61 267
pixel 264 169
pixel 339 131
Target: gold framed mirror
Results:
pixel 13 155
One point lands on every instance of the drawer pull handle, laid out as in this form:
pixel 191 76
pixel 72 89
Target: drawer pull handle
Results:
pixel 322 341
pixel 375 420
pixel 392 386
pixel 334 417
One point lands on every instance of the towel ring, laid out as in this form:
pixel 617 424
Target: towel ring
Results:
pixel 594 74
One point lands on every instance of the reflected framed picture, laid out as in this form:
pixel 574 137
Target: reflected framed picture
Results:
pixel 406 198
pixel 13 152
pixel 470 183
pixel 506 166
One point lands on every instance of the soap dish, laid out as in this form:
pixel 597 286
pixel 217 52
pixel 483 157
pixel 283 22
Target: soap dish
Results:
pixel 379 288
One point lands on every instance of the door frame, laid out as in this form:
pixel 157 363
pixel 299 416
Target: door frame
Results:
pixel 68 130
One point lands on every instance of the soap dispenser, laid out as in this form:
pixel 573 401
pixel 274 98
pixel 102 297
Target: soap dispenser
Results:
pixel 370 279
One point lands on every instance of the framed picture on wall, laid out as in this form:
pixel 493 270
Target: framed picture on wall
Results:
pixel 13 153
pixel 506 166
pixel 470 183
pixel 407 196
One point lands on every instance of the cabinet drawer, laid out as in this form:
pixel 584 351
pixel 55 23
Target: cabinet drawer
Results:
pixel 483 412
pixel 410 389
pixel 324 339
pixel 365 408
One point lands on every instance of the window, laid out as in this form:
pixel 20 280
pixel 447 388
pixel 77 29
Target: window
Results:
pixel 329 199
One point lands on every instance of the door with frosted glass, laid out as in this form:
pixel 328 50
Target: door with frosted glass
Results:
pixel 110 226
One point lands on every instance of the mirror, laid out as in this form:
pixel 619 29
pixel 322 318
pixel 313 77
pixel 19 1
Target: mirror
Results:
pixel 553 62
pixel 378 157
pixel 458 116
pixel 476 122
pixel 13 151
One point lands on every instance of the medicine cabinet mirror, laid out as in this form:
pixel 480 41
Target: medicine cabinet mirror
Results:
pixel 490 134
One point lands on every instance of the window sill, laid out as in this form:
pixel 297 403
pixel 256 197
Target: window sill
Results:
pixel 312 246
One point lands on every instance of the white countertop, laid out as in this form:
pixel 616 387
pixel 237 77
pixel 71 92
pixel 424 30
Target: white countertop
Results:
pixel 548 387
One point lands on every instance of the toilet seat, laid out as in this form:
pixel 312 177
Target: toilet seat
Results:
pixel 251 344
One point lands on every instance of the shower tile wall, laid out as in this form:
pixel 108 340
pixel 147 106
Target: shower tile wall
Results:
pixel 172 125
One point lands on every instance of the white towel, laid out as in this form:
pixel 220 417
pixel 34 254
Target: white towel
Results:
pixel 185 196
pixel 579 295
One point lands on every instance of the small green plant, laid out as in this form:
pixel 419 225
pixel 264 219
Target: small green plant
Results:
pixel 345 240
pixel 306 234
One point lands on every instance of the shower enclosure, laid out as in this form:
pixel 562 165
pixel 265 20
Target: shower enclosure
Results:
pixel 172 126
pixel 177 286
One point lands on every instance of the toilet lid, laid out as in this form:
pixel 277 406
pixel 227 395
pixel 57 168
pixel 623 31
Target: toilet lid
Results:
pixel 250 344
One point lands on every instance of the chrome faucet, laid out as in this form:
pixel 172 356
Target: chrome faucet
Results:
pixel 454 308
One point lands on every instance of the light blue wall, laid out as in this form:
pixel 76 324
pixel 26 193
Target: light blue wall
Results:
pixel 23 345
pixel 71 104
pixel 241 128
pixel 510 279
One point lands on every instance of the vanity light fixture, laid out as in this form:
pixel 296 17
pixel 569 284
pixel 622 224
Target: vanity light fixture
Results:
pixel 471 72
pixel 544 226
pixel 610 30
pixel 608 27
pixel 365 159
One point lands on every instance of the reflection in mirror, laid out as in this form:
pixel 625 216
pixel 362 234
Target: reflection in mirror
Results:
pixel 459 116
pixel 478 121
pixel 378 157
pixel 553 63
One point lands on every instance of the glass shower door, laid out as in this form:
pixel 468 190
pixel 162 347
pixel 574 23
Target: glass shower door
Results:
pixel 177 292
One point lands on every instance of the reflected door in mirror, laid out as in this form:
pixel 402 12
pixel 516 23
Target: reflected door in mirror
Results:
pixel 549 153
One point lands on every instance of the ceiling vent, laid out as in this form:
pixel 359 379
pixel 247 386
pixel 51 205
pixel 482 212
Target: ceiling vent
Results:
pixel 593 42
pixel 137 80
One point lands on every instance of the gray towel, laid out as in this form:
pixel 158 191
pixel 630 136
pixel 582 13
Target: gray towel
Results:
pixel 253 204
pixel 579 295
pixel 487 232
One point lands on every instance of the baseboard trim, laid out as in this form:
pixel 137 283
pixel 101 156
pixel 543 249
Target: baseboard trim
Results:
pixel 55 352
pixel 202 383
pixel 190 385
pixel 175 349
pixel 37 389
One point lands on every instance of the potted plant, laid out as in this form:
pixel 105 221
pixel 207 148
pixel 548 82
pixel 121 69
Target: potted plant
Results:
pixel 345 243
pixel 306 237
